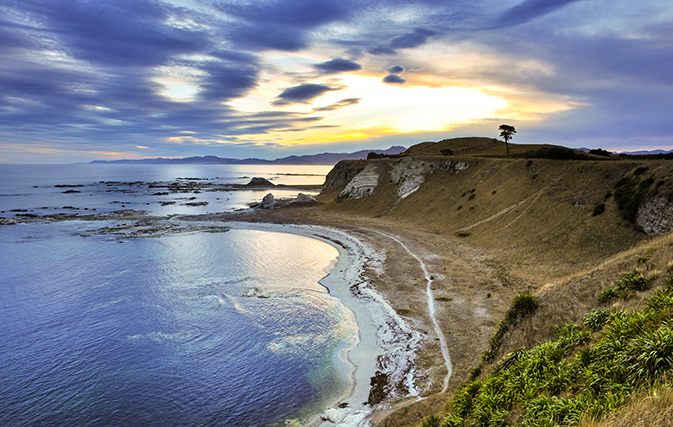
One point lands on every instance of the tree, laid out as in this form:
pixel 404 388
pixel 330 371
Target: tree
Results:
pixel 506 132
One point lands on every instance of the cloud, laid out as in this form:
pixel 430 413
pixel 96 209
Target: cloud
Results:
pixel 395 69
pixel 411 40
pixel 528 11
pixel 339 104
pixel 100 73
pixel 381 50
pixel 115 32
pixel 280 24
pixel 418 38
pixel 302 94
pixel 393 79
pixel 225 82
pixel 338 65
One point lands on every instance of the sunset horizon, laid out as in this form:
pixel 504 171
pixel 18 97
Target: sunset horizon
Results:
pixel 85 81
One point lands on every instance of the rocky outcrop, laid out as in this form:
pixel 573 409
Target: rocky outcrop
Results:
pixel 341 174
pixel 409 173
pixel 302 200
pixel 260 182
pixel 268 202
pixel 655 215
pixel 363 184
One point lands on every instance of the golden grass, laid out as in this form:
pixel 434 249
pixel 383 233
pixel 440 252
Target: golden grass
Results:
pixel 653 409
pixel 529 227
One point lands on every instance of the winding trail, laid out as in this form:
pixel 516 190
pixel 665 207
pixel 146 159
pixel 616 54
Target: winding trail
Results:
pixel 431 310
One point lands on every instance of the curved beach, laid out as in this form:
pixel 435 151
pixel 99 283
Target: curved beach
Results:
pixel 385 343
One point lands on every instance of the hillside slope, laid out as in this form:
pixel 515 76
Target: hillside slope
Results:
pixel 560 229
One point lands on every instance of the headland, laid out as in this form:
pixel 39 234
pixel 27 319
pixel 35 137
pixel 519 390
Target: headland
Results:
pixel 477 229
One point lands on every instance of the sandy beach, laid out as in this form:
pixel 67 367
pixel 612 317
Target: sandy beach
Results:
pixel 413 295
pixel 385 342
pixel 410 293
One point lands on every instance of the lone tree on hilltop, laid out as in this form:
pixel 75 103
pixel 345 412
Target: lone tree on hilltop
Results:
pixel 506 132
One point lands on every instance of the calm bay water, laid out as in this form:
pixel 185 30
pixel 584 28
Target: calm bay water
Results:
pixel 81 188
pixel 224 329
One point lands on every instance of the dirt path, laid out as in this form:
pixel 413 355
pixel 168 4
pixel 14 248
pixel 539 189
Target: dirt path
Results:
pixel 432 311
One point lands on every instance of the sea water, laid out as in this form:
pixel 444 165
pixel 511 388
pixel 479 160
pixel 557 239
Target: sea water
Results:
pixel 88 188
pixel 221 329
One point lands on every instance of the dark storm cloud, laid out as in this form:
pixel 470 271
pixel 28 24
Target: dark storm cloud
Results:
pixel 339 104
pixel 338 65
pixel 393 79
pixel 395 69
pixel 302 94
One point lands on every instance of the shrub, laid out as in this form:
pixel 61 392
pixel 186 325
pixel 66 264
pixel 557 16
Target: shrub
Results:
pixel 607 295
pixel 630 193
pixel 432 421
pixel 624 190
pixel 472 196
pixel 633 281
pixel 598 210
pixel 556 153
pixel 495 341
pixel 640 170
pixel 522 306
pixel 596 319
pixel 600 152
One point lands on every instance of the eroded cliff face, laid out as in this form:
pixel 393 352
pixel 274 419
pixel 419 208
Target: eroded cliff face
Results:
pixel 409 173
pixel 342 173
pixel 656 216
pixel 363 184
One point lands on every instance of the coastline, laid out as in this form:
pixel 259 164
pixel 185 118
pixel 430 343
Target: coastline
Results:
pixel 384 342
pixel 362 280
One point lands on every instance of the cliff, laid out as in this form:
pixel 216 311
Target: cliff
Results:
pixel 563 209
pixel 563 230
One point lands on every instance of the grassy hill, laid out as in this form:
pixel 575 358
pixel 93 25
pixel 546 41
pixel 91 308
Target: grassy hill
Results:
pixel 562 230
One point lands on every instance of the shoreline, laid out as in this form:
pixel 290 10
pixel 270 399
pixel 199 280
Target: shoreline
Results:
pixel 384 342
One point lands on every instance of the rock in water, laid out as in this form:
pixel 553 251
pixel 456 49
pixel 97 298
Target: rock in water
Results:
pixel 257 181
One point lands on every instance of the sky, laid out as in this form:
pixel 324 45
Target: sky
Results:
pixel 109 79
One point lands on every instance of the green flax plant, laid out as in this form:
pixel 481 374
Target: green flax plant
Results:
pixel 585 371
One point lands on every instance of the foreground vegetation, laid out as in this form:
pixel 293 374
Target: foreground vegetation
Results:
pixel 585 373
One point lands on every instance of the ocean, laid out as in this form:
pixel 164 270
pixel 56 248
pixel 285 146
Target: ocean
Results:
pixel 208 329
pixel 157 189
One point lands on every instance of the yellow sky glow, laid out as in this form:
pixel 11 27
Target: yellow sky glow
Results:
pixel 383 108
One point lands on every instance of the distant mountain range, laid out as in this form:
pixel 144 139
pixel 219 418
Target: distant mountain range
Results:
pixel 632 153
pixel 313 159
pixel 645 152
